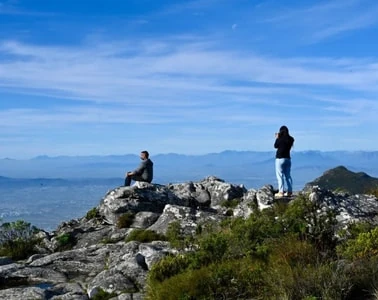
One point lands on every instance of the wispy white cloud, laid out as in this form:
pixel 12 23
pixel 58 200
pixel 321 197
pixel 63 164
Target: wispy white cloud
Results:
pixel 11 8
pixel 103 73
pixel 328 18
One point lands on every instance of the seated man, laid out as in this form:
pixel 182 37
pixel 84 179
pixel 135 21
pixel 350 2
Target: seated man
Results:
pixel 143 173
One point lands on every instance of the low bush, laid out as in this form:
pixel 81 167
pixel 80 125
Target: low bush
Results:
pixel 66 241
pixel 103 295
pixel 168 267
pixel 373 191
pixel 298 270
pixel 365 245
pixel 92 214
pixel 144 236
pixel 227 280
pixel 126 220
pixel 174 235
pixel 230 203
pixel 17 239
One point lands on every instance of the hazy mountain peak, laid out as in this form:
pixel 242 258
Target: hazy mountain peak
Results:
pixel 342 179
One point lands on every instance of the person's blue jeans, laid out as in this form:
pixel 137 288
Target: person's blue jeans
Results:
pixel 283 169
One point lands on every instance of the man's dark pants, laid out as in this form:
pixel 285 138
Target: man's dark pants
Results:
pixel 133 177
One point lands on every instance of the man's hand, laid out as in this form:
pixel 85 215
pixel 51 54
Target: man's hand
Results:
pixel 129 173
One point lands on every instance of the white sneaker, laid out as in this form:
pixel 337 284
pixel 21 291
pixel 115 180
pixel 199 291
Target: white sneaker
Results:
pixel 288 194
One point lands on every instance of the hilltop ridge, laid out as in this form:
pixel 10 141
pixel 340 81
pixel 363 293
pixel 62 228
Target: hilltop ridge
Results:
pixel 342 179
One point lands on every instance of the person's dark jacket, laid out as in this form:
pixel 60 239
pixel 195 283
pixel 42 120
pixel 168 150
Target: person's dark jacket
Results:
pixel 283 145
pixel 145 170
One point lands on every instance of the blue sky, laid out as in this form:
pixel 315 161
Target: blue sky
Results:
pixel 192 77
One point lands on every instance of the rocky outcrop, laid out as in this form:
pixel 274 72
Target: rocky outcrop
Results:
pixel 348 208
pixel 100 258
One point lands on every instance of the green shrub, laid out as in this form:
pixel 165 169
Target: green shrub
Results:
pixel 109 240
pixel 213 248
pixel 230 203
pixel 354 229
pixel 364 245
pixel 103 295
pixel 174 235
pixel 364 275
pixel 17 239
pixel 227 280
pixel 247 237
pixel 126 220
pixel 168 267
pixel 304 218
pixel 92 214
pixel 144 236
pixel 66 241
pixel 296 269
pixel 373 191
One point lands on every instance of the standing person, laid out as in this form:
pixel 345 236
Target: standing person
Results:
pixel 284 142
pixel 144 172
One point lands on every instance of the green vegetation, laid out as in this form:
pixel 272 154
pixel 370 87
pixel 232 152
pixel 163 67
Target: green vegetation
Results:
pixel 92 214
pixel 66 241
pixel 288 251
pixel 109 240
pixel 125 220
pixel 17 239
pixel 144 236
pixel 103 295
pixel 230 203
pixel 373 191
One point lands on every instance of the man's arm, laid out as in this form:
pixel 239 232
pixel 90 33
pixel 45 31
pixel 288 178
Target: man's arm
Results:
pixel 140 169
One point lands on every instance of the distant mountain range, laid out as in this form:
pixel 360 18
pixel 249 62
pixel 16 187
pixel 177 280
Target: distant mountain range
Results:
pixel 251 168
pixel 342 179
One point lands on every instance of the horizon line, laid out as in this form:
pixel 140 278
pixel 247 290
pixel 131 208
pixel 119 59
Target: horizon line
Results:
pixel 42 156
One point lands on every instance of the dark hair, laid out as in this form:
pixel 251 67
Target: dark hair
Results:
pixel 284 131
pixel 146 153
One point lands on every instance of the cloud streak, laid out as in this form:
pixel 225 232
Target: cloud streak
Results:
pixel 328 19
pixel 97 73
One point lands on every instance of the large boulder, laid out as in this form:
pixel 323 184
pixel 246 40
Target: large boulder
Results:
pixel 188 218
pixel 152 198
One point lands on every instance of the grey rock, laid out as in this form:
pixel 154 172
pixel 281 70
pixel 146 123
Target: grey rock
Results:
pixel 191 194
pixel 110 281
pixel 145 219
pixel 67 291
pixel 265 196
pixel 152 198
pixel 189 218
pixel 39 275
pixel 245 208
pixel 154 251
pixel 221 191
pixel 127 296
pixel 25 293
